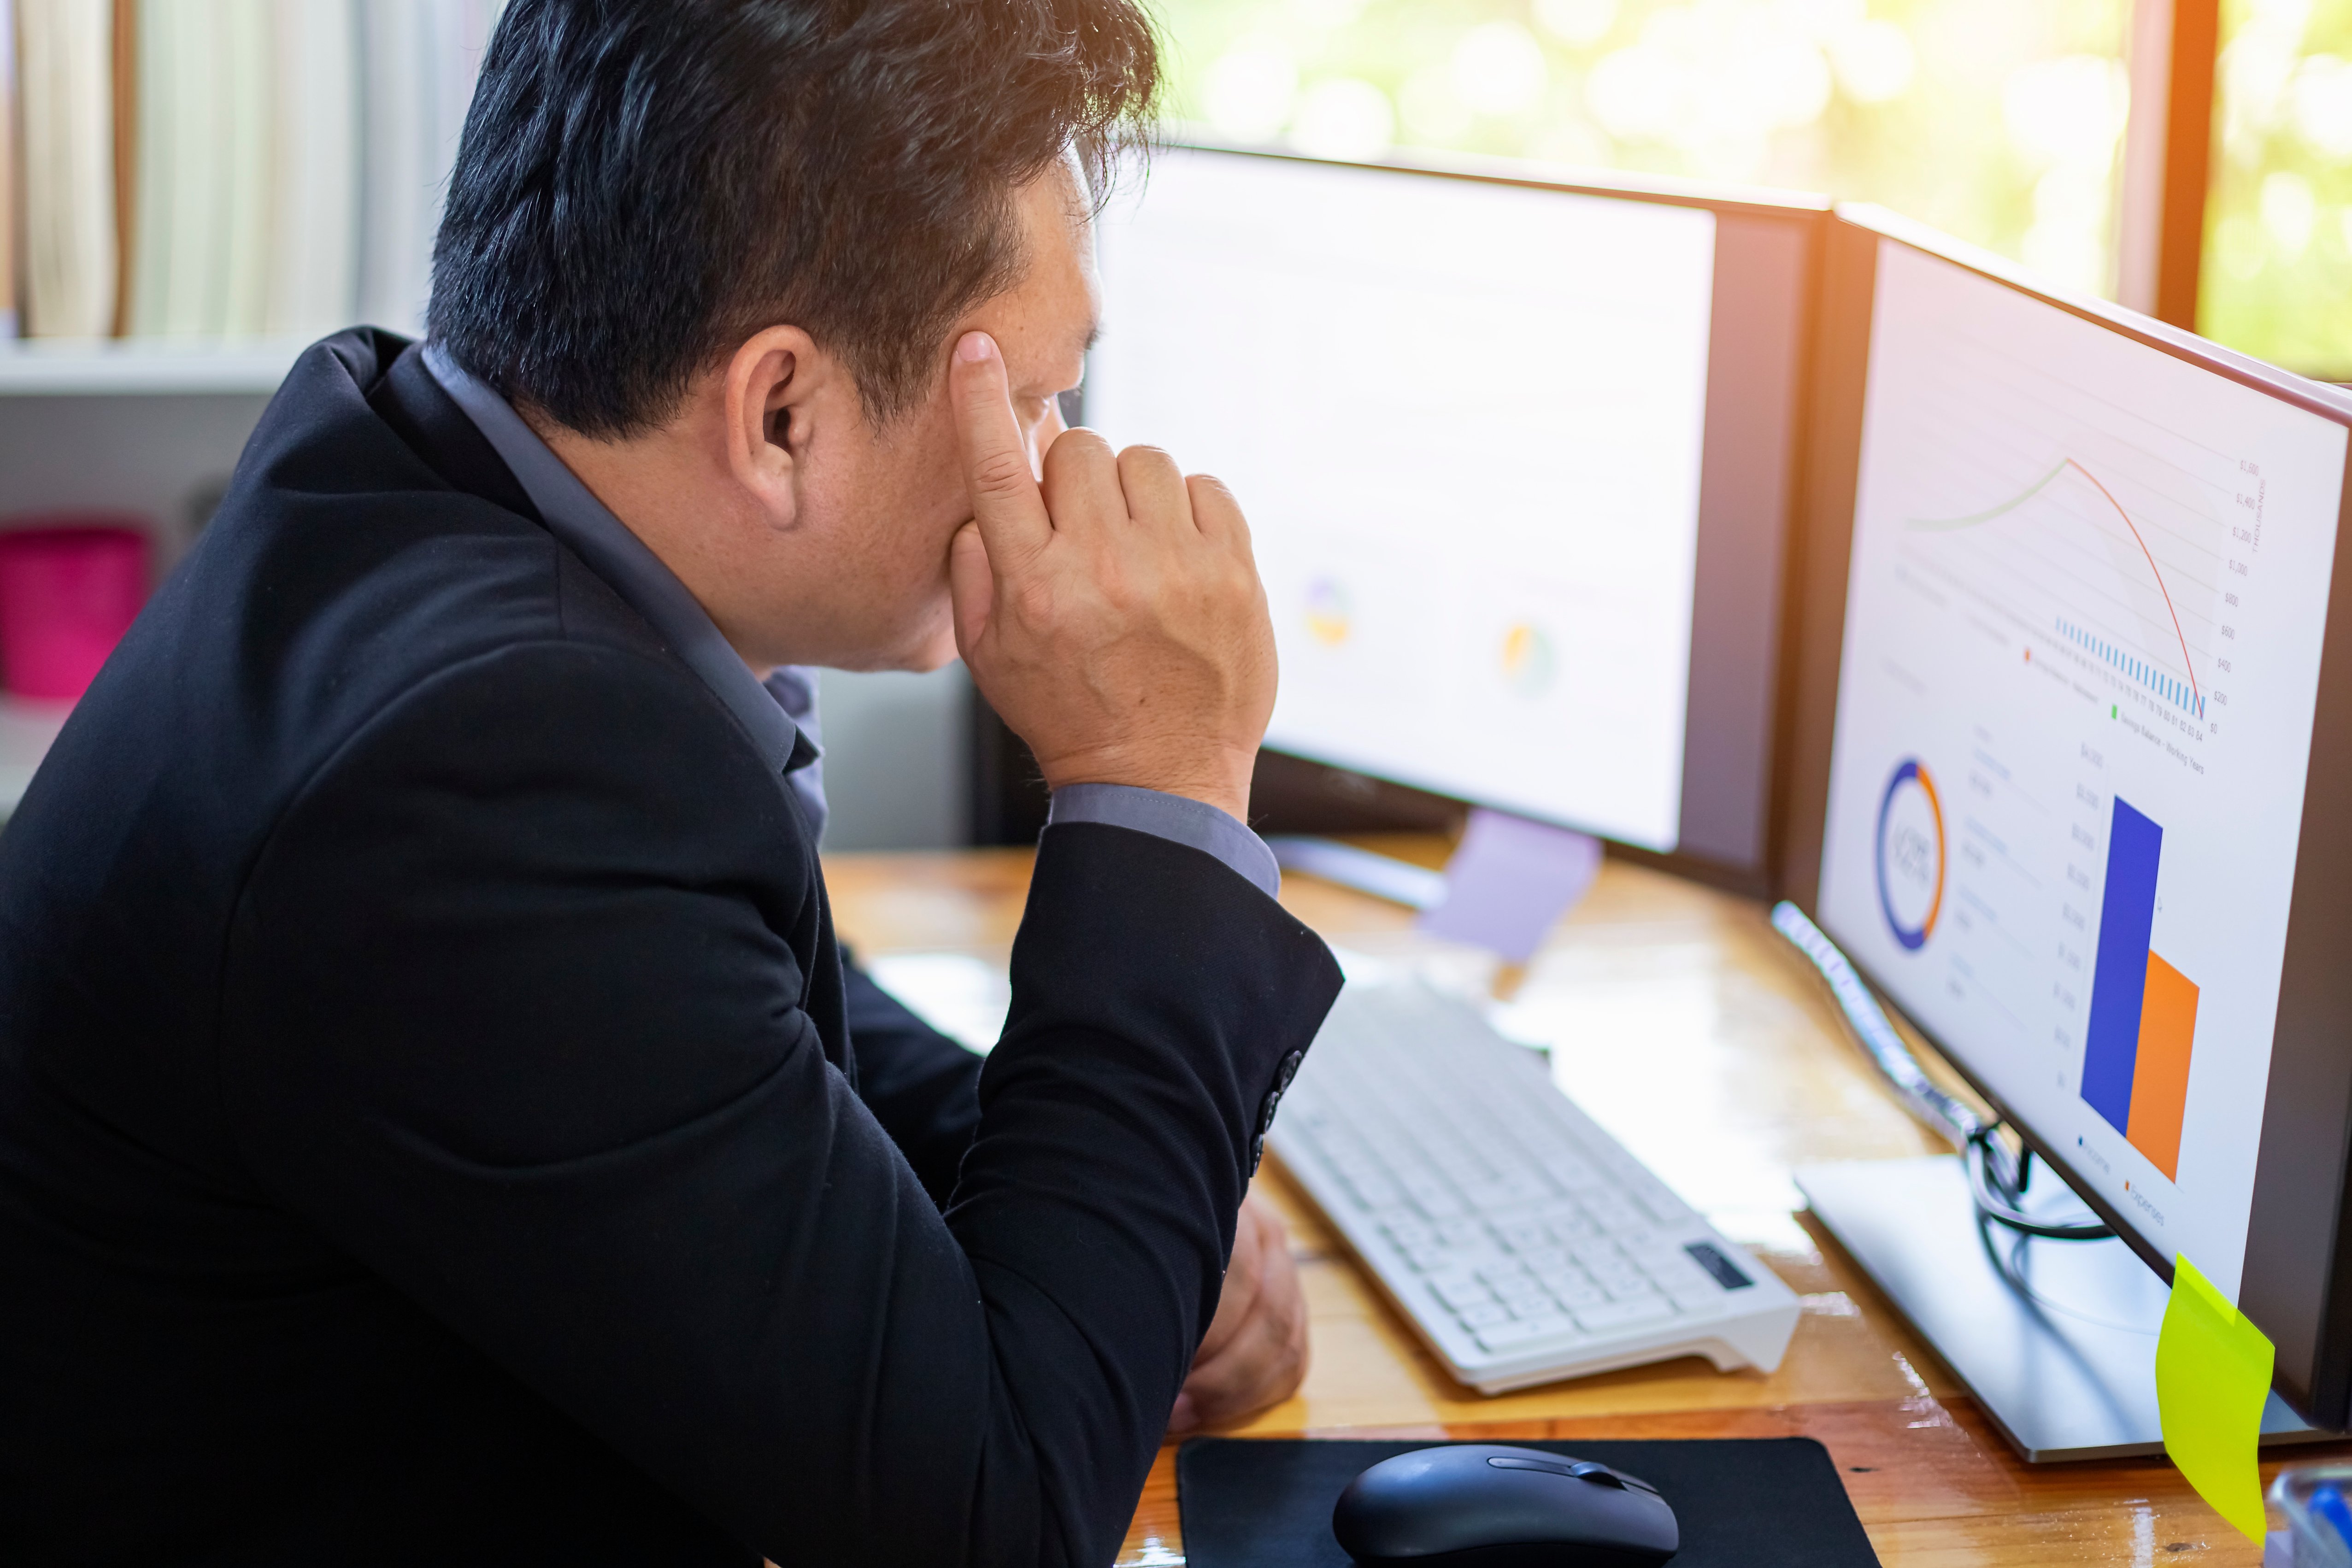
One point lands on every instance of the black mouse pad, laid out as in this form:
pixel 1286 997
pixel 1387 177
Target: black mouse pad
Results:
pixel 1740 1502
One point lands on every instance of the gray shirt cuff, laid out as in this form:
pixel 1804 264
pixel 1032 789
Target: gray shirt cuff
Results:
pixel 1177 817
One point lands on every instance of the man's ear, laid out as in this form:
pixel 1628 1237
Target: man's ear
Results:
pixel 771 383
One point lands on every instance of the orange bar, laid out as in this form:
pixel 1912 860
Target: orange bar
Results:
pixel 2168 1021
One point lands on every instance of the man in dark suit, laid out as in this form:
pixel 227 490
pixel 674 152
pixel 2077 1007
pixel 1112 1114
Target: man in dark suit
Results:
pixel 435 1123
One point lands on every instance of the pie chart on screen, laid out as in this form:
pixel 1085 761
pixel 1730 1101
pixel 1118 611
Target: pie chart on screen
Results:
pixel 1528 662
pixel 1329 620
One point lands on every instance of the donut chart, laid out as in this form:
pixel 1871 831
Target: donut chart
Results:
pixel 1910 855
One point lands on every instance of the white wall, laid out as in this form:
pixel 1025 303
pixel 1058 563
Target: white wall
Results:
pixel 895 768
pixel 146 454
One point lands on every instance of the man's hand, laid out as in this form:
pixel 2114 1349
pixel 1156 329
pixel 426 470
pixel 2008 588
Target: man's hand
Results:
pixel 1112 616
pixel 1255 1350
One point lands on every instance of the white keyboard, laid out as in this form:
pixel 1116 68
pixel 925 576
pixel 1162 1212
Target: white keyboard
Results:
pixel 1523 1243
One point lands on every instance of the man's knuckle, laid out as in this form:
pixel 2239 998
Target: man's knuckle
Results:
pixel 997 473
pixel 1144 458
pixel 1032 602
pixel 1079 449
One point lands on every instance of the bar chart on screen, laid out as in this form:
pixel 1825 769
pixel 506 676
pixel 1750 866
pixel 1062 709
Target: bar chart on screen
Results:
pixel 2143 1018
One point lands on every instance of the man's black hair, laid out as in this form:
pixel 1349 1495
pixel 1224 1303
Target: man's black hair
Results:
pixel 642 184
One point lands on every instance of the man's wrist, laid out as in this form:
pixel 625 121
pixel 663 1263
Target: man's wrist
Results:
pixel 1224 785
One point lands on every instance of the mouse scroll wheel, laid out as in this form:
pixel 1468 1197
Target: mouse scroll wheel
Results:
pixel 1581 1469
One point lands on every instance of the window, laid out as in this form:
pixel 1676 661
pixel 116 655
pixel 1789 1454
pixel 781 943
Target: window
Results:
pixel 2277 273
pixel 1998 120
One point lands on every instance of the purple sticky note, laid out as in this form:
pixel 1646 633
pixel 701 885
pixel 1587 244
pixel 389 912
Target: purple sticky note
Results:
pixel 1510 880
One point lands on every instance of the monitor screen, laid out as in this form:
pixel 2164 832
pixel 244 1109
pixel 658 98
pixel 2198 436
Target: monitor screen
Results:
pixel 2084 610
pixel 1468 420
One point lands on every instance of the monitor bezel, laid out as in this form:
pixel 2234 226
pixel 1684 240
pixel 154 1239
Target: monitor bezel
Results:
pixel 1808 214
pixel 2303 1300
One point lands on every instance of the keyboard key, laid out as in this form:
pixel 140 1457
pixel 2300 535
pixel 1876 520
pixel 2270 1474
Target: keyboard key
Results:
pixel 1485 1315
pixel 1465 1232
pixel 1523 1188
pixel 1713 1259
pixel 1409 1233
pixel 1501 1268
pixel 1460 1290
pixel 1540 1305
pixel 1429 1259
pixel 1524 1235
pixel 1542 1258
pixel 1522 1331
pixel 1574 1291
pixel 1635 1240
pixel 1676 1276
pixel 1569 1170
pixel 1520 1286
pixel 1613 1212
pixel 1624 1314
pixel 1660 1250
pixel 1663 1206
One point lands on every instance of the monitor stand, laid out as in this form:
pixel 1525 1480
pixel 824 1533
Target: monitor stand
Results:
pixel 2055 1338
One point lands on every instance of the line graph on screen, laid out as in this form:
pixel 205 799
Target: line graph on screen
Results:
pixel 2079 522
pixel 2193 696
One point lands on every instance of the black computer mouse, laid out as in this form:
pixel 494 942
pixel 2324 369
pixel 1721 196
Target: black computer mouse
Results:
pixel 1482 1505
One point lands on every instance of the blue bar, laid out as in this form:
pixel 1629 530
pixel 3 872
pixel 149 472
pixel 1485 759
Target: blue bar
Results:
pixel 2119 982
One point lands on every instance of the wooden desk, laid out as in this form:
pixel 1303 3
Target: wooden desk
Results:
pixel 1677 1019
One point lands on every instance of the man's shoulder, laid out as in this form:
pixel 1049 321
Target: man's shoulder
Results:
pixel 371 539
pixel 367 507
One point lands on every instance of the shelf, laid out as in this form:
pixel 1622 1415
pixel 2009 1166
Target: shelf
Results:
pixel 27 728
pixel 120 366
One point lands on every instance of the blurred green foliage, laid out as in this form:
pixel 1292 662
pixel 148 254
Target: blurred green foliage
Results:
pixel 2277 280
pixel 1998 120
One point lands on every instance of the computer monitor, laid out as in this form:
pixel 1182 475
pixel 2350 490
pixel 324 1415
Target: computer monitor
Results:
pixel 2076 720
pixel 1517 458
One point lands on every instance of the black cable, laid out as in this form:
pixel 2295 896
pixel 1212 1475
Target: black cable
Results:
pixel 1995 1181
pixel 1998 1193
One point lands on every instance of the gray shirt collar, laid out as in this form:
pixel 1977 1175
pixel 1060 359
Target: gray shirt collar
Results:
pixel 573 515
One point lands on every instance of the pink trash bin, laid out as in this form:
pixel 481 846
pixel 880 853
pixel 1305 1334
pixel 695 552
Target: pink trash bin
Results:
pixel 70 588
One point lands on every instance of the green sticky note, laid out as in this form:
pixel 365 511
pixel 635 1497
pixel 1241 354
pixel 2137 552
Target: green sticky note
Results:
pixel 2212 1379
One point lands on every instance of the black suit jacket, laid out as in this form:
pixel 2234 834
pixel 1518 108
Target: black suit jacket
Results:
pixel 431 1124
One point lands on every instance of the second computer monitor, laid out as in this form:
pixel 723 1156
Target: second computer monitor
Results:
pixel 2074 758
pixel 1516 460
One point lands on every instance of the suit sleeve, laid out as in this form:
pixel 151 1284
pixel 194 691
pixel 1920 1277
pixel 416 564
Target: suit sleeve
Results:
pixel 516 1011
pixel 922 1087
